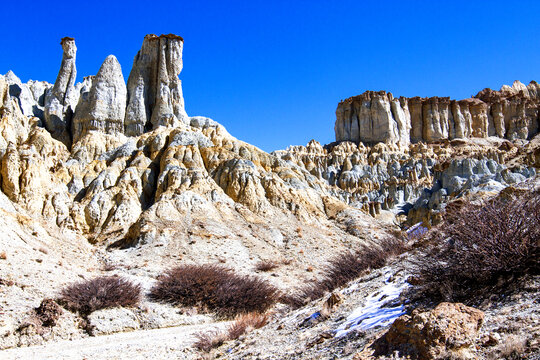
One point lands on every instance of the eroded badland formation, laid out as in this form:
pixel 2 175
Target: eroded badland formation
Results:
pixel 110 176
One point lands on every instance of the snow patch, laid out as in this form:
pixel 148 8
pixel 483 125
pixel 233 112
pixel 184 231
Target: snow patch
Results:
pixel 378 309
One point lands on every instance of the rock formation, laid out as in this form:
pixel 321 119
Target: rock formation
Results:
pixel 449 329
pixel 103 107
pixel 30 96
pixel 373 117
pixel 60 101
pixel 143 187
pixel 154 90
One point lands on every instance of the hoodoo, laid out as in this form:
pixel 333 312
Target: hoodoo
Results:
pixel 60 102
pixel 154 89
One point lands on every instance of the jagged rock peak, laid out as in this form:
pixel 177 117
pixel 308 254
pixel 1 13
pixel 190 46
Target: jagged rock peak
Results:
pixel 103 107
pixel 60 101
pixel 376 116
pixel 154 89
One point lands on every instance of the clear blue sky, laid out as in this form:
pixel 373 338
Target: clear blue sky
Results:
pixel 272 72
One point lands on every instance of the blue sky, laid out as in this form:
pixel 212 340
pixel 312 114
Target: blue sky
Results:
pixel 272 72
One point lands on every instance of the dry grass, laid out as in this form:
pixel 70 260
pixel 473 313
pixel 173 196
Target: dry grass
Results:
pixel 511 348
pixel 103 292
pixel 210 340
pixel 344 268
pixel 481 250
pixel 266 265
pixel 243 324
pixel 214 288
pixel 246 323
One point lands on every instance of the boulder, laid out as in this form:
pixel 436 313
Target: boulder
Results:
pixel 449 329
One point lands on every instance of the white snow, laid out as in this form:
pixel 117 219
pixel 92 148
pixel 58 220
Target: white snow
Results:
pixel 374 313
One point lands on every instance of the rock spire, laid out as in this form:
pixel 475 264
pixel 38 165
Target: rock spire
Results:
pixel 103 108
pixel 61 99
pixel 154 89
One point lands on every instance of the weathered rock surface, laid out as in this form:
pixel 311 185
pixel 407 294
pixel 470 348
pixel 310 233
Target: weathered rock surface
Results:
pixel 61 100
pixel 103 108
pixel 449 329
pixel 373 117
pixel 418 180
pixel 30 96
pixel 154 90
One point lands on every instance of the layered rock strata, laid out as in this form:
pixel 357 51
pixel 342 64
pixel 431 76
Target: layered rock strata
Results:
pixel 373 117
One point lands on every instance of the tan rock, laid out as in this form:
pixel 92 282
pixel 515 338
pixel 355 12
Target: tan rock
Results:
pixel 450 328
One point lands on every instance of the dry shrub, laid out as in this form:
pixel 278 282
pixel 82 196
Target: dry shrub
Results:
pixel 344 268
pixel 103 292
pixel 3 255
pixel 244 323
pixel 266 265
pixel 482 249
pixel 512 348
pixel 209 340
pixel 48 312
pixel 214 288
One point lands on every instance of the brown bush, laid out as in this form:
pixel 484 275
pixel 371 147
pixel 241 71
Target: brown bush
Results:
pixel 214 288
pixel 48 312
pixel 344 268
pixel 209 340
pixel 103 292
pixel 265 265
pixel 481 249
pixel 244 323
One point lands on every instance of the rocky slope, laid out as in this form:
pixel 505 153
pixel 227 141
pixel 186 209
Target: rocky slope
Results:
pixel 105 176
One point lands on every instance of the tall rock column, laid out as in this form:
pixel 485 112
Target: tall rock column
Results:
pixel 104 108
pixel 61 99
pixel 154 89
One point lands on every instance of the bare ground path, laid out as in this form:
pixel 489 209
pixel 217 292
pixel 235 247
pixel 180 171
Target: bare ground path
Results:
pixel 165 343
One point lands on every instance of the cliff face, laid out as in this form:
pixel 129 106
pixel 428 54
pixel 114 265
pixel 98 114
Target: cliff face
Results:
pixel 372 117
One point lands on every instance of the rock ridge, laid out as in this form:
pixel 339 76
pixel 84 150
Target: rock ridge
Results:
pixel 377 116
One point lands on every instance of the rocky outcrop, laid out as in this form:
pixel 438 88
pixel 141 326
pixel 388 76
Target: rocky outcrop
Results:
pixel 102 107
pixel 154 90
pixel 374 117
pixel 448 330
pixel 61 100
pixel 30 96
